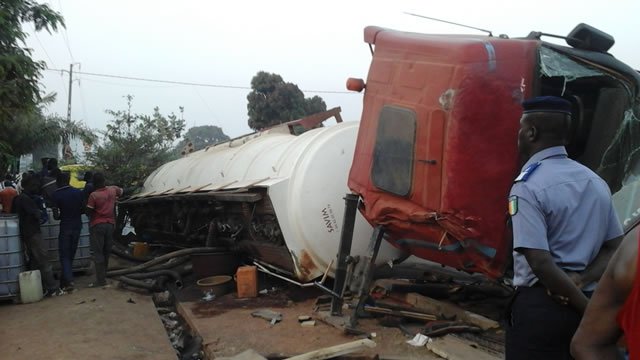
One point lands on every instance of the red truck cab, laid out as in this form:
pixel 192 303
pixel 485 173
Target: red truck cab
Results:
pixel 436 151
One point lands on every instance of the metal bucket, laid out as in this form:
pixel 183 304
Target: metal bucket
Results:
pixel 216 285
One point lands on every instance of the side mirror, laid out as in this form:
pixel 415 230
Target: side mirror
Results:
pixel 587 37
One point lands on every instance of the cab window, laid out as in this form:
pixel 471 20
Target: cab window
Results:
pixel 392 168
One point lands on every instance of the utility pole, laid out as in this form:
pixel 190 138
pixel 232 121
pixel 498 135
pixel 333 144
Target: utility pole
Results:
pixel 70 87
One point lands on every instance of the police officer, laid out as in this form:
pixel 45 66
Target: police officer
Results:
pixel 565 229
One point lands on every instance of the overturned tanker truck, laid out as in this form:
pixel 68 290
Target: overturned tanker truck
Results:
pixel 429 166
pixel 274 195
pixel 436 152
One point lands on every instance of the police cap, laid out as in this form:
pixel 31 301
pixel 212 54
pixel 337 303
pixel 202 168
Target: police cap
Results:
pixel 552 104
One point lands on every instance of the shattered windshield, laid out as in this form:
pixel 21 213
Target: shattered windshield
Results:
pixel 553 63
pixel 605 131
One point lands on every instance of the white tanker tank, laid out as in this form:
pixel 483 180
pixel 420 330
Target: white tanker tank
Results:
pixel 277 194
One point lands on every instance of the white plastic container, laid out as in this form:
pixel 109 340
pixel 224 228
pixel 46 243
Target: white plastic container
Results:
pixel 30 286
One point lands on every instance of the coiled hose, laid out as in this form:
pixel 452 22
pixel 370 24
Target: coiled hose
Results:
pixel 164 258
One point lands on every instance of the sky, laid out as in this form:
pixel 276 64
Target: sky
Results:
pixel 316 45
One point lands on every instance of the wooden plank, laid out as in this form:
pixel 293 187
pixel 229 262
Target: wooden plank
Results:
pixel 453 348
pixel 400 313
pixel 336 350
pixel 448 311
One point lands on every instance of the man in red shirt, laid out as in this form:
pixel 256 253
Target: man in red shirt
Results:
pixel 101 211
pixel 614 309
pixel 6 196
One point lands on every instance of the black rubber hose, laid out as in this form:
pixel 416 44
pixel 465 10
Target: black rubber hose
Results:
pixel 165 257
pixel 116 251
pixel 172 263
pixel 139 284
pixel 186 269
pixel 155 274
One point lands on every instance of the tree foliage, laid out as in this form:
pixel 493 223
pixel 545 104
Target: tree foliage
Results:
pixel 136 144
pixel 19 73
pixel 273 101
pixel 21 118
pixel 202 136
pixel 33 130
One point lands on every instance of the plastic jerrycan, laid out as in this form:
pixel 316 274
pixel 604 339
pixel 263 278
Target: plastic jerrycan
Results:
pixel 247 281
pixel 30 286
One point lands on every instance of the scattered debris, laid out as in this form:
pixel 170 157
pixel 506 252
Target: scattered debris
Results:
pixel 270 315
pixel 84 301
pixel 163 310
pixel 390 321
pixel 245 355
pixel 401 313
pixel 419 340
pixel 454 348
pixel 323 303
pixel 208 296
pixel 162 298
pixel 168 323
pixel 335 351
pixel 303 318
pixel 130 301
pixel 308 323
pixel 440 328
pixel 448 311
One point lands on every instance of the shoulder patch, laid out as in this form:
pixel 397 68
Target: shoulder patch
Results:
pixel 513 205
pixel 527 172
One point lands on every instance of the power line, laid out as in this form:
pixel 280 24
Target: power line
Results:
pixel 192 83
pixel 35 33
pixel 65 35
pixel 123 84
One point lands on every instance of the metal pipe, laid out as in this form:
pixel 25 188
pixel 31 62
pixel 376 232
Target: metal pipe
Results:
pixel 344 251
pixel 163 258
pixel 319 285
pixel 370 260
pixel 269 272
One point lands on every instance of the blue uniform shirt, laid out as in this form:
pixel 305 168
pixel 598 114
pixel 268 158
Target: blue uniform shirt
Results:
pixel 70 201
pixel 560 205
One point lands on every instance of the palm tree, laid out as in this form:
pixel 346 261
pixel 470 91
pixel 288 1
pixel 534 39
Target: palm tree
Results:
pixel 34 130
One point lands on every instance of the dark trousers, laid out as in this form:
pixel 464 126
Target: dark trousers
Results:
pixel 40 260
pixel 101 237
pixel 538 327
pixel 67 245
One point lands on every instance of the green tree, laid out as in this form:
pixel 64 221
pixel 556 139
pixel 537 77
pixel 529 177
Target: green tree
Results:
pixel 136 144
pixel 273 101
pixel 33 130
pixel 19 73
pixel 314 105
pixel 201 137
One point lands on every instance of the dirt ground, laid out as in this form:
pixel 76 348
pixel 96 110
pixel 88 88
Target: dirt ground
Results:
pixel 227 327
pixel 91 323
pixel 120 323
